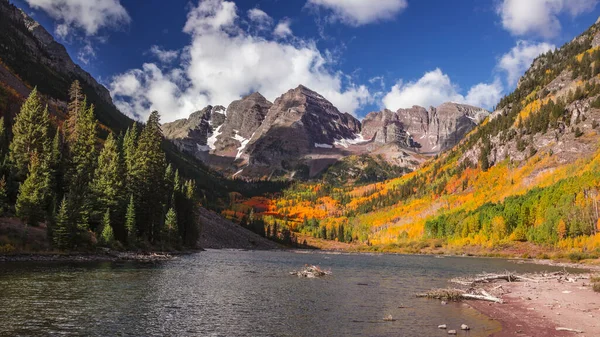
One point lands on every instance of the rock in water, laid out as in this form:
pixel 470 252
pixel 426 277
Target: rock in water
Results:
pixel 443 326
pixel 465 327
pixel 452 332
pixel 389 318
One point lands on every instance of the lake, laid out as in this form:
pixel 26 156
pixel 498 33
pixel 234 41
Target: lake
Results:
pixel 241 293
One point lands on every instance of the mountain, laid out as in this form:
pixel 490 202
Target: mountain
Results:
pixel 525 181
pixel 428 131
pixel 302 134
pixel 29 51
pixel 29 56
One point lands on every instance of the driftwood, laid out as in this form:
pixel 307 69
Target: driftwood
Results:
pixel 458 294
pixel 311 272
pixel 569 329
pixel 487 278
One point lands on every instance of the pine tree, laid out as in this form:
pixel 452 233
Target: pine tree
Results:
pixel 147 173
pixel 62 227
pixel 171 227
pixel 108 186
pixel 77 103
pixel 82 162
pixel 57 167
pixel 130 221
pixel 3 196
pixel 129 148
pixel 34 193
pixel 3 139
pixel 31 133
pixel 107 235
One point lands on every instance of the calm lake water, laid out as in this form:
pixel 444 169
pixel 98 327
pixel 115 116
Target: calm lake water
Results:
pixel 240 293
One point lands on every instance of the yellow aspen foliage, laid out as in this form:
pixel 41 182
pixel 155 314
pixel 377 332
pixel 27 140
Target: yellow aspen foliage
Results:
pixel 562 229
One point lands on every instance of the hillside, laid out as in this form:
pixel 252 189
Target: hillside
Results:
pixel 529 174
pixel 30 57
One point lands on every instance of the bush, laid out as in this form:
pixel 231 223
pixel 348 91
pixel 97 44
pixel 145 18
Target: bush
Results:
pixel 7 249
pixel 577 256
pixel 596 287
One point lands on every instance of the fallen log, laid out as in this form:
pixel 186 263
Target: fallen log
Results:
pixel 457 294
pixel 569 330
pixel 487 278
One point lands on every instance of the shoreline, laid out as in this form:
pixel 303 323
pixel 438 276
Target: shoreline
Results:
pixel 106 256
pixel 539 308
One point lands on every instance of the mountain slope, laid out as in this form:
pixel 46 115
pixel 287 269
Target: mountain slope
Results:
pixel 529 173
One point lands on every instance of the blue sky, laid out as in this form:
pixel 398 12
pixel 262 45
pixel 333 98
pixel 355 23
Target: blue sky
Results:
pixel 363 55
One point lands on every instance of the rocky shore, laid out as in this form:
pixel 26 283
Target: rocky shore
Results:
pixel 103 256
pixel 553 307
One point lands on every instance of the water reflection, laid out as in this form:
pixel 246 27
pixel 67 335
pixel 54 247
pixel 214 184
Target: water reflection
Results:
pixel 239 293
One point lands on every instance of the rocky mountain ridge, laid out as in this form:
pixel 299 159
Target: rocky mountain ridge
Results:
pixel 302 133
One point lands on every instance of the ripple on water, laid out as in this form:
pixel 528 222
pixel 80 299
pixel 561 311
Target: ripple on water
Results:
pixel 239 293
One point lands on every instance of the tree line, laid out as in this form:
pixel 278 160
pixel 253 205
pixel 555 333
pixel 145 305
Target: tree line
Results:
pixel 115 192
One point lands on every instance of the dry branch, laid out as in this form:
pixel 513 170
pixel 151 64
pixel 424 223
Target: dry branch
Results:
pixel 457 294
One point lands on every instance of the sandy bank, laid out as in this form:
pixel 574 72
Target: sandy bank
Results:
pixel 537 309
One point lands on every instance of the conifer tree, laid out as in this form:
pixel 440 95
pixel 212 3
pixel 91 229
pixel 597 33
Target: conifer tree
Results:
pixel 77 103
pixel 130 221
pixel 107 231
pixel 129 148
pixel 57 167
pixel 3 139
pixel 171 227
pixel 3 196
pixel 62 226
pixel 148 172
pixel 31 133
pixel 108 186
pixel 82 162
pixel 33 193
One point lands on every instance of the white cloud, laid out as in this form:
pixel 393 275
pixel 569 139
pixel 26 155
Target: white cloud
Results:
pixel 283 29
pixel 435 88
pixel 485 95
pixel 261 19
pixel 165 56
pixel 540 17
pixel 361 12
pixel 520 57
pixel 88 15
pixel 223 63
pixel 86 53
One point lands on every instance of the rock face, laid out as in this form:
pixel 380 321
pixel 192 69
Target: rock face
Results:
pixel 192 134
pixel 45 49
pixel 244 117
pixel 298 122
pixel 427 131
pixel 302 133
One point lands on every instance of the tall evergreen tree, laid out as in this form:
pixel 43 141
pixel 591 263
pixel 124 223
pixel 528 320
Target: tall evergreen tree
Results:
pixel 108 186
pixel 107 236
pixel 34 192
pixel 129 148
pixel 82 162
pixel 171 228
pixel 31 133
pixel 130 221
pixel 148 171
pixel 62 233
pixel 77 103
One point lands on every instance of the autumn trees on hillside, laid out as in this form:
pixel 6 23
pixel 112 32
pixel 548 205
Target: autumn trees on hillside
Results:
pixel 123 191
